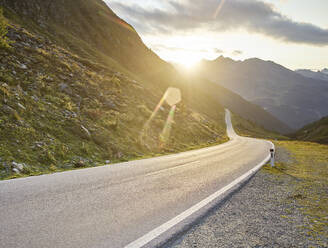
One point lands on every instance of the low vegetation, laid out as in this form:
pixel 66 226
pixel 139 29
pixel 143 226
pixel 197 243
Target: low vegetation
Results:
pixel 308 165
pixel 3 31
pixel 60 111
pixel 315 132
pixel 309 168
pixel 248 128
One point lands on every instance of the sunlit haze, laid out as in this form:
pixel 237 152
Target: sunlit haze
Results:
pixel 293 33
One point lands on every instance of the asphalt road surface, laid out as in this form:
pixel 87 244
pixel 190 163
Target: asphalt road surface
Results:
pixel 114 205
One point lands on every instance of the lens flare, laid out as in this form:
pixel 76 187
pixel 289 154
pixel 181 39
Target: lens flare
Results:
pixel 165 135
pixel 144 131
pixel 172 97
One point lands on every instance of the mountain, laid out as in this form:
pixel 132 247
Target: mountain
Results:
pixel 320 75
pixel 316 132
pixel 289 96
pixel 93 31
pixel 86 27
pixel 78 88
pixel 325 71
pixel 222 96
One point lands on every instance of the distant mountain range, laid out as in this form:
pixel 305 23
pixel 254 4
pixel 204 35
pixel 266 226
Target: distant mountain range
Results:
pixel 288 95
pixel 321 75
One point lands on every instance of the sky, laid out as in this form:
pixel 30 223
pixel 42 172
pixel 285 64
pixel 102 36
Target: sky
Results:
pixel 293 33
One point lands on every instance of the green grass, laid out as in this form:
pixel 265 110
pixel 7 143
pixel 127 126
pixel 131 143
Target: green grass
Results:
pixel 310 171
pixel 315 132
pixel 43 109
pixel 248 128
pixel 309 168
pixel 4 43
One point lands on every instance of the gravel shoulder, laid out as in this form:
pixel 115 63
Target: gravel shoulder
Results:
pixel 266 212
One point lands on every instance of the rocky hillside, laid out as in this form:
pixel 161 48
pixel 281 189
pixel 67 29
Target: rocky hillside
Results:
pixel 88 28
pixel 316 132
pixel 289 96
pixel 76 91
pixel 91 30
pixel 59 110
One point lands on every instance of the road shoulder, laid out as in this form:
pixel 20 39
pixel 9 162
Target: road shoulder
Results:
pixel 269 211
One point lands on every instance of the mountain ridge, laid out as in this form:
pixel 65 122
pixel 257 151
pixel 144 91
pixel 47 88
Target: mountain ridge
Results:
pixel 282 92
pixel 320 75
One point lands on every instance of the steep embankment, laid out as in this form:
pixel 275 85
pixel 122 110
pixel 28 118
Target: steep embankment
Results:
pixel 89 28
pixel 316 132
pixel 61 110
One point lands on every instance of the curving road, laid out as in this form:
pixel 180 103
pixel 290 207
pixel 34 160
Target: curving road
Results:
pixel 116 205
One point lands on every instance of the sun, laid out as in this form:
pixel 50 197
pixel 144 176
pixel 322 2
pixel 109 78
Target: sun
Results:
pixel 187 60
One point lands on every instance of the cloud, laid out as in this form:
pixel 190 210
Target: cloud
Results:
pixel 252 15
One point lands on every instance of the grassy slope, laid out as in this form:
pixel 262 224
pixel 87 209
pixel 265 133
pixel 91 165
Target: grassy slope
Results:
pixel 248 128
pixel 49 96
pixel 309 167
pixel 310 171
pixel 94 32
pixel 316 132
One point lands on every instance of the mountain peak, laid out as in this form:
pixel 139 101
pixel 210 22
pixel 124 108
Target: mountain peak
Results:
pixel 222 59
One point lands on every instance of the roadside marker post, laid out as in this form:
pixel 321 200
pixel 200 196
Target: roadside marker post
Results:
pixel 272 153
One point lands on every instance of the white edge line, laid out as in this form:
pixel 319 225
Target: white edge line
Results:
pixel 171 223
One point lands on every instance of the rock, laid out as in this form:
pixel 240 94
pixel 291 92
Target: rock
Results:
pixel 65 88
pixel 7 109
pixel 22 66
pixel 39 144
pixel 16 170
pixel 107 161
pixel 79 162
pixel 17 166
pixel 86 131
pixel 21 106
pixel 35 98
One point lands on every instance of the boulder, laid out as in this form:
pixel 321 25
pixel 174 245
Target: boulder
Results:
pixel 86 131
pixel 17 167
